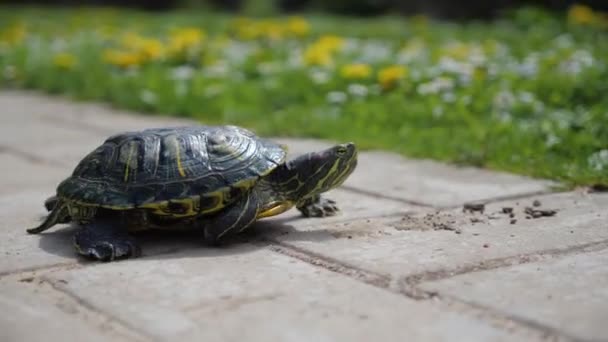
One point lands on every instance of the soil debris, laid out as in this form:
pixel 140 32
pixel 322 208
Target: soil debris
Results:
pixel 430 221
pixel 473 207
pixel 536 203
pixel 536 213
pixel 507 210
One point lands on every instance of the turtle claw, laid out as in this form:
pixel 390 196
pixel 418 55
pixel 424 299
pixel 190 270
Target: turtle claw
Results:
pixel 321 207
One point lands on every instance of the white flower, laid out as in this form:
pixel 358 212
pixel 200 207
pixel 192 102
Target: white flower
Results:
pixel 436 86
pixel 217 70
pixel 319 76
pixel 529 67
pixel 148 97
pixel 448 97
pixel 9 72
pixel 183 72
pixel 504 100
pixel 336 97
pixel 268 68
pixel 358 89
pixel 552 140
pixel 598 160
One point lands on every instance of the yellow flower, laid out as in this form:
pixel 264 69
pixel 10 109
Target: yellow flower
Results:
pixel 65 60
pixel 150 48
pixel 321 52
pixel 355 71
pixel 14 34
pixel 122 59
pixel 389 76
pixel 330 43
pixel 581 15
pixel 297 26
pixel 185 38
pixel 315 55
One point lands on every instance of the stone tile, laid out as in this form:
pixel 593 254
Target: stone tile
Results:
pixel 569 294
pixel 250 293
pixel 424 181
pixel 411 245
pixel 20 250
pixel 35 312
pixel 25 107
pixel 19 174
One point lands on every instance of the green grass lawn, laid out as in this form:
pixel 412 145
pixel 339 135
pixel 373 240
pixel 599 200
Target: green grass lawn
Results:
pixel 526 93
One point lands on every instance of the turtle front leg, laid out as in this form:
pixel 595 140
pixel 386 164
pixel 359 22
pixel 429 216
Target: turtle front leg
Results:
pixel 232 220
pixel 105 240
pixel 318 206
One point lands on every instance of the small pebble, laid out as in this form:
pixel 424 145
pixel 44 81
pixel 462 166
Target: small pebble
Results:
pixel 513 221
pixel 486 245
pixel 507 210
pixel 536 203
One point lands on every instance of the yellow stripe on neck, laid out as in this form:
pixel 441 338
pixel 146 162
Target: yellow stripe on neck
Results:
pixel 276 209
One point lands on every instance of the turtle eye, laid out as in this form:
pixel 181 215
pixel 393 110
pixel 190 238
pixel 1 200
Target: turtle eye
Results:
pixel 341 151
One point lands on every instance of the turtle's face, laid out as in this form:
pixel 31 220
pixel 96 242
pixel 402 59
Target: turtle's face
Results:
pixel 318 172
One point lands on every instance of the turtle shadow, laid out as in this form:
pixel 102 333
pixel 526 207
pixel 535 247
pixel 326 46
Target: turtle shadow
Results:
pixel 158 244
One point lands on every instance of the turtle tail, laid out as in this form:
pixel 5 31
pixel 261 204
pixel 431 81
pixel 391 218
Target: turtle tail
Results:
pixel 57 215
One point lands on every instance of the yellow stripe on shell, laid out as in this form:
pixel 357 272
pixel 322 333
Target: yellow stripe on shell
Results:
pixel 128 164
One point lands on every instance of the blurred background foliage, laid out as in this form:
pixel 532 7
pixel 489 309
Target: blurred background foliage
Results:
pixel 448 9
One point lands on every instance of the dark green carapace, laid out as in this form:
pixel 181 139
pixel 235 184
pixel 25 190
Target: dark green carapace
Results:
pixel 215 179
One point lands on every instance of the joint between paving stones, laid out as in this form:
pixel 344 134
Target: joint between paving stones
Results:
pixel 60 288
pixel 416 279
pixel 408 286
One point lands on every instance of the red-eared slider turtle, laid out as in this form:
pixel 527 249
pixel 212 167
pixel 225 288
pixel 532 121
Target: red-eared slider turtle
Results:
pixel 218 179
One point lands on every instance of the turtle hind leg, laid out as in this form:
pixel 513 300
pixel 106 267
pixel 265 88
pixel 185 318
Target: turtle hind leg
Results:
pixel 318 206
pixel 59 214
pixel 105 240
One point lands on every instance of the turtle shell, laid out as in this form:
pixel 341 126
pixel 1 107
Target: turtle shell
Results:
pixel 181 170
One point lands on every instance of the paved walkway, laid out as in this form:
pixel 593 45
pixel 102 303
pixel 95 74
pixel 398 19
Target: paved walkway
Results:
pixel 403 262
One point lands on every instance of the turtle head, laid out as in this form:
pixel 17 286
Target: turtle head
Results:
pixel 316 172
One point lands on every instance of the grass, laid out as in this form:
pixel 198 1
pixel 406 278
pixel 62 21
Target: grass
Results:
pixel 525 93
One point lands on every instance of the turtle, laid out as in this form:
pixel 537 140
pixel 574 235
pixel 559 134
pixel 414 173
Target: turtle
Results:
pixel 217 180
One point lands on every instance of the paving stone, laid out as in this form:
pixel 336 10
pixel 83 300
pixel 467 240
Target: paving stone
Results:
pixel 18 174
pixel 34 312
pixel 93 117
pixel 412 245
pixel 21 251
pixel 569 293
pixel 249 293
pixel 424 181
